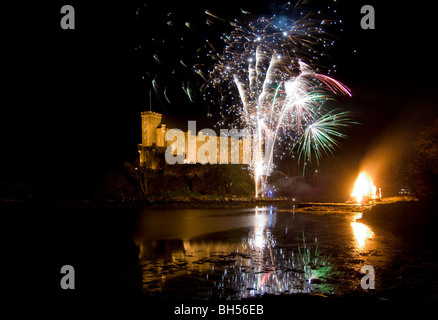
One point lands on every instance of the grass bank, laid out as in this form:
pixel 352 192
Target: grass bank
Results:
pixel 411 217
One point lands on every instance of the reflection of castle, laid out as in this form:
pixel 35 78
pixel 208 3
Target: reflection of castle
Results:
pixel 154 145
pixel 246 265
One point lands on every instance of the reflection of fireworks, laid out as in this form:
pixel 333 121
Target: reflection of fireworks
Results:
pixel 279 96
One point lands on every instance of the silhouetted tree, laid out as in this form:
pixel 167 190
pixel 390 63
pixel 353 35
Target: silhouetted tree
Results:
pixel 141 173
pixel 422 163
pixel 118 185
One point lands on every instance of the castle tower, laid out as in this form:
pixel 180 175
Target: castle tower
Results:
pixel 149 122
pixel 161 134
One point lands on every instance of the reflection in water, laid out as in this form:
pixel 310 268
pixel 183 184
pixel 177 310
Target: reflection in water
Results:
pixel 361 232
pixel 251 265
pixel 276 272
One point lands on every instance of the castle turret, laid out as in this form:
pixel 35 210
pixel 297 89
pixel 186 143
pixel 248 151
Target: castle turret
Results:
pixel 161 134
pixel 149 122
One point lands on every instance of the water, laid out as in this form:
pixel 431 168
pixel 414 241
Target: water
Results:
pixel 241 253
pixel 221 253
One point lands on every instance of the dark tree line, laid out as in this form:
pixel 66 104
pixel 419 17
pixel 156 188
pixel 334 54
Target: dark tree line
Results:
pixel 133 181
pixel 421 164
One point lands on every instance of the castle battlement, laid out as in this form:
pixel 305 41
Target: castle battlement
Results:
pixel 154 145
pixel 151 113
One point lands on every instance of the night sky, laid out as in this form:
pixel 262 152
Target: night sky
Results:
pixel 75 96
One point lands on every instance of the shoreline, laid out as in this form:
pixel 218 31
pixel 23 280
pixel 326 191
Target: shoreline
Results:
pixel 311 207
pixel 171 202
pixel 409 217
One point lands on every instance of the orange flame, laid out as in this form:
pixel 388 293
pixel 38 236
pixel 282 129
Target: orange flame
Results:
pixel 364 187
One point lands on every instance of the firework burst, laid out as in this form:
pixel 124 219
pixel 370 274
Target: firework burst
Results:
pixel 269 82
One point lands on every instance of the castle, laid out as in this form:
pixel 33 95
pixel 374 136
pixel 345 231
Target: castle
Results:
pixel 153 147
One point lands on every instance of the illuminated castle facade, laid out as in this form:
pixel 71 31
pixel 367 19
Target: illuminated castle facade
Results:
pixel 153 145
